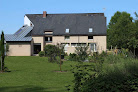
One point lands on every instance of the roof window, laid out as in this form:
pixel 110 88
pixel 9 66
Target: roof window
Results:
pixel 67 30
pixel 90 30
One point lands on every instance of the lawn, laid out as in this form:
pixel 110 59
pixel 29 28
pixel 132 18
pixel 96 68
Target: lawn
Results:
pixel 35 74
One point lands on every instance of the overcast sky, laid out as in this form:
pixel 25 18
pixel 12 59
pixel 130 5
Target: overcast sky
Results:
pixel 12 11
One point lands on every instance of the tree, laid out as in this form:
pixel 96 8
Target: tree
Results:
pixel 81 51
pixel 2 49
pixel 61 51
pixel 51 51
pixel 119 28
pixel 54 50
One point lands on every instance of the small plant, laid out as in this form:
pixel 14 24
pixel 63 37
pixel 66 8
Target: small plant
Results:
pixel 41 53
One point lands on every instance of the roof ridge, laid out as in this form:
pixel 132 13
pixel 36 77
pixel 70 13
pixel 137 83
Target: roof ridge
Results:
pixel 67 14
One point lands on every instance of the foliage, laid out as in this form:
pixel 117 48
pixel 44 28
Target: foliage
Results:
pixel 115 73
pixel 2 50
pixel 122 31
pixel 73 57
pixel 96 57
pixel 41 53
pixel 51 51
pixel 7 47
pixel 81 51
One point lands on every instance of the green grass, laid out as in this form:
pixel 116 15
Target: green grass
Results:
pixel 35 74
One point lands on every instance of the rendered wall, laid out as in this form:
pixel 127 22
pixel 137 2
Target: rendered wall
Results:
pixel 19 49
pixel 99 40
pixel 27 21
pixel 39 39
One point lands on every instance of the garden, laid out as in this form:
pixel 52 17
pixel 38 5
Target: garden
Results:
pixel 115 70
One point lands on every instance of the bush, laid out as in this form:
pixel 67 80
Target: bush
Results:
pixel 52 51
pixel 81 51
pixel 41 53
pixel 96 57
pixel 114 74
pixel 73 57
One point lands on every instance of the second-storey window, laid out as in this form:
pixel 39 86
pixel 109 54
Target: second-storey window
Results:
pixel 67 37
pixel 90 37
pixel 48 39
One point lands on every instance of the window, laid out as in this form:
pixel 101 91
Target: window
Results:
pixel 48 39
pixel 73 44
pixel 37 48
pixel 78 44
pixel 67 30
pixel 93 47
pixel 90 30
pixel 90 37
pixel 67 37
pixel 66 45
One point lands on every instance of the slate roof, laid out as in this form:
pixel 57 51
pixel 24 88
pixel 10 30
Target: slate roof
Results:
pixel 78 24
pixel 20 35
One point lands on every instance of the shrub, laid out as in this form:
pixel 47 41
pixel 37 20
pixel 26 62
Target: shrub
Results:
pixel 96 57
pixel 81 51
pixel 73 57
pixel 41 53
pixel 115 74
pixel 51 51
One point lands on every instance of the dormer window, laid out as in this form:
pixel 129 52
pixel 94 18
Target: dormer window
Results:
pixel 90 30
pixel 67 30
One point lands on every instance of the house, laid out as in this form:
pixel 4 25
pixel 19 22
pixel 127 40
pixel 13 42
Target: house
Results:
pixel 69 29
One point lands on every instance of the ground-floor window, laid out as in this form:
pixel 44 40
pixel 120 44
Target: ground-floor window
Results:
pixel 78 44
pixel 37 48
pixel 93 47
pixel 66 45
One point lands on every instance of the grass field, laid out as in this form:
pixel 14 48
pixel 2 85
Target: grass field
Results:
pixel 35 74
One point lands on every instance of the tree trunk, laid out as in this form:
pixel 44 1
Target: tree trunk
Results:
pixel 1 62
pixel 60 61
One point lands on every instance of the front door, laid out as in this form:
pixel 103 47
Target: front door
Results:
pixel 37 48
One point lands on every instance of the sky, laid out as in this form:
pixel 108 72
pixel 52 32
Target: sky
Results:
pixel 12 11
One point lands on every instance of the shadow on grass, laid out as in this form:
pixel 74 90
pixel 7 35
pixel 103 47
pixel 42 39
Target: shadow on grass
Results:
pixel 27 89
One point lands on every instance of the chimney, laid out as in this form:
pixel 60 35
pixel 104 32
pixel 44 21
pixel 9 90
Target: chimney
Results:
pixel 44 14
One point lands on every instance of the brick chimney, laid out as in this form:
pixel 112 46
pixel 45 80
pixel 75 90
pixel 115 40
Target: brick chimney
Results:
pixel 44 14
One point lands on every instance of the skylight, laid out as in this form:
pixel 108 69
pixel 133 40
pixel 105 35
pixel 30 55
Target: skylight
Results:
pixel 90 29
pixel 67 30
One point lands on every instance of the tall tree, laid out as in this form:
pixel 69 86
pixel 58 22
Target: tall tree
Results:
pixel 2 51
pixel 119 28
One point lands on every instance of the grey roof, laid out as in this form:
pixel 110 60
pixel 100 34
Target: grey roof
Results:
pixel 78 24
pixel 20 34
